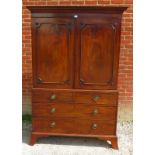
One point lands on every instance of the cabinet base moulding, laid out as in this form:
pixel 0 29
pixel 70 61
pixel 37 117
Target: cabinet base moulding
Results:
pixel 36 135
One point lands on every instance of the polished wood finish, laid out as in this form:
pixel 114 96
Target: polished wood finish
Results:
pixel 74 126
pixel 97 53
pixel 72 110
pixel 90 97
pixel 46 96
pixel 75 57
pixel 53 52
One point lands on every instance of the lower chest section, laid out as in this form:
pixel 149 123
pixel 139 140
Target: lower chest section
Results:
pixel 74 112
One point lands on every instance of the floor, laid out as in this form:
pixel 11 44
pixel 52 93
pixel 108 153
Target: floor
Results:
pixel 78 146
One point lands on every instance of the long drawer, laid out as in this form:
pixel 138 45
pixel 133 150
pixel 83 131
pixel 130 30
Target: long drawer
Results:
pixel 76 96
pixel 74 126
pixel 74 110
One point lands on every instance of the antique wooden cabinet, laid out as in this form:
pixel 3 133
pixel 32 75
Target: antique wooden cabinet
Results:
pixel 75 56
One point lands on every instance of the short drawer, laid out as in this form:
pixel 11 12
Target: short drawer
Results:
pixel 95 97
pixel 51 96
pixel 74 111
pixel 74 126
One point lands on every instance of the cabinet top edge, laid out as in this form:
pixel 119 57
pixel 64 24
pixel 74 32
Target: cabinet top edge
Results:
pixel 77 9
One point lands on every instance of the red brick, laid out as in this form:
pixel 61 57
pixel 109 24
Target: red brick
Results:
pixel 52 3
pixel 26 49
pixel 90 2
pixel 103 2
pixel 26 24
pixel 74 2
pixel 128 1
pixel 128 20
pixel 65 2
pixel 117 1
pixel 40 3
pixel 26 16
pixel 26 41
pixel 28 37
pixel 27 20
pixel 29 3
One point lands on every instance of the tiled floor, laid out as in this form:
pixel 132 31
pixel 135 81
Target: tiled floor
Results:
pixel 78 146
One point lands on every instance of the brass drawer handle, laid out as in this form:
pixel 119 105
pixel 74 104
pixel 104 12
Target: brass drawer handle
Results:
pixel 53 110
pixel 53 97
pixel 94 126
pixel 96 98
pixel 53 124
pixel 95 111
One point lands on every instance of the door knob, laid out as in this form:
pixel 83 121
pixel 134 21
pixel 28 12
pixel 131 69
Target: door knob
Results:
pixel 75 16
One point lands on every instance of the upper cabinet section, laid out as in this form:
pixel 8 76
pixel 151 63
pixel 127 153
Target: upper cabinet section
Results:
pixel 76 47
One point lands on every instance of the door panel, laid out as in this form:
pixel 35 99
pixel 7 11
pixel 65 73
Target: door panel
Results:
pixel 97 54
pixel 53 52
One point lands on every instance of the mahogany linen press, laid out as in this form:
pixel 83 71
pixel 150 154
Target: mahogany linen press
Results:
pixel 75 60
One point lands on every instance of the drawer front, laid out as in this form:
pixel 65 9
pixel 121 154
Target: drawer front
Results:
pixel 74 110
pixel 96 97
pixel 74 126
pixel 50 96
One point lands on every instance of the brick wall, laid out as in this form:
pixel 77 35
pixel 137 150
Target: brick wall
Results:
pixel 125 71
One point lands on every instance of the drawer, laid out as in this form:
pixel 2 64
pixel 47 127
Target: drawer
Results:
pixel 74 126
pixel 74 110
pixel 95 97
pixel 51 96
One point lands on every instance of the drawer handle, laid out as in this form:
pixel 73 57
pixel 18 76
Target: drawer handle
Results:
pixel 96 98
pixel 53 97
pixel 53 124
pixel 95 111
pixel 94 126
pixel 53 110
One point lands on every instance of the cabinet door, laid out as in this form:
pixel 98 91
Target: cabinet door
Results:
pixel 97 52
pixel 53 52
